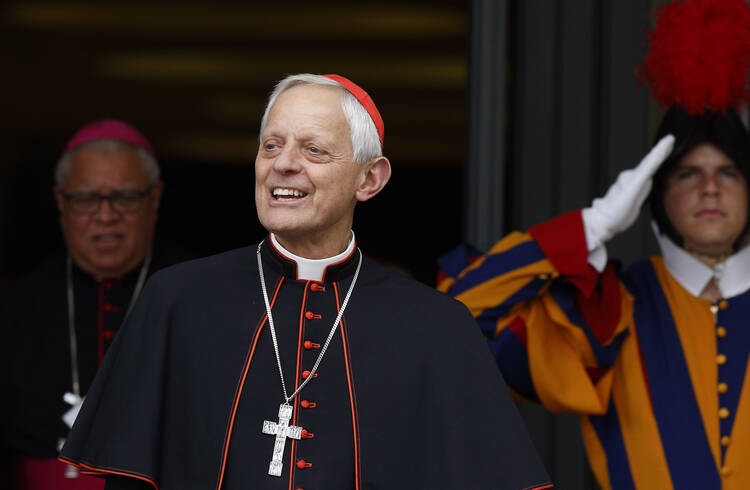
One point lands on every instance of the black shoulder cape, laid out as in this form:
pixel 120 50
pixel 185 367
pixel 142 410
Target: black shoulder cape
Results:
pixel 408 395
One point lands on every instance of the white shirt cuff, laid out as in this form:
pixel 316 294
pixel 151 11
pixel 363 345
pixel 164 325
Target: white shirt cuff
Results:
pixel 598 258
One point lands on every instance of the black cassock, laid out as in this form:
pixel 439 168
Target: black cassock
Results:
pixel 406 397
pixel 35 329
pixel 36 354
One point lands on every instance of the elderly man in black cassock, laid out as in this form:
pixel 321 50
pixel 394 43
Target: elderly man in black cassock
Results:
pixel 298 363
pixel 59 320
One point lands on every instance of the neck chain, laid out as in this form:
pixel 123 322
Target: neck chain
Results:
pixel 288 398
pixel 72 314
pixel 282 429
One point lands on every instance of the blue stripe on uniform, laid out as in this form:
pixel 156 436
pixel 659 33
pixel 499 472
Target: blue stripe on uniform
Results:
pixel 453 262
pixel 496 265
pixel 605 356
pixel 691 463
pixel 607 428
pixel 513 361
pixel 488 318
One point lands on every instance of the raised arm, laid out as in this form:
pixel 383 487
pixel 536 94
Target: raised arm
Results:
pixel 553 310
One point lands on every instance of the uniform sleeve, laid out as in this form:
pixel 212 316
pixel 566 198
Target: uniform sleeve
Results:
pixel 554 324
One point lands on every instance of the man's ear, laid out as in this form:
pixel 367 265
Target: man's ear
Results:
pixel 376 175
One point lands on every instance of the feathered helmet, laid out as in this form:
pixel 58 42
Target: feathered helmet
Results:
pixel 697 67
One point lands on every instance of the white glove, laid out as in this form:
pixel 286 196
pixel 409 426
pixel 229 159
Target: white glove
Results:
pixel 619 208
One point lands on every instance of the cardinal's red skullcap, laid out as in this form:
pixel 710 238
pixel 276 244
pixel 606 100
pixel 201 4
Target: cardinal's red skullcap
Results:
pixel 364 99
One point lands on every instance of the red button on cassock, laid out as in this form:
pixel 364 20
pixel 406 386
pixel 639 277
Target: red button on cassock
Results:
pixel 307 434
pixel 108 335
pixel 312 316
pixel 306 374
pixel 317 287
pixel 309 344
pixel 302 464
pixel 308 404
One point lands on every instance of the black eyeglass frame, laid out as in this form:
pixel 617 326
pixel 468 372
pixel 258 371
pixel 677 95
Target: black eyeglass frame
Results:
pixel 138 194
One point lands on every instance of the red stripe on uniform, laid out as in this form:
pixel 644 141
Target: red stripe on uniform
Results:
pixel 601 308
pixel 350 383
pixel 240 385
pixel 518 327
pixel 563 241
pixel 101 471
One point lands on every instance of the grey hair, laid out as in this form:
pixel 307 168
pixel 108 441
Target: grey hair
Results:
pixel 362 130
pixel 107 145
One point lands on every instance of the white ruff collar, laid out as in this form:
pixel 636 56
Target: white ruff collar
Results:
pixel 733 275
pixel 312 269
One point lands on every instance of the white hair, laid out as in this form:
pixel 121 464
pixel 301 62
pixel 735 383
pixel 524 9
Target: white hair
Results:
pixel 107 145
pixel 362 130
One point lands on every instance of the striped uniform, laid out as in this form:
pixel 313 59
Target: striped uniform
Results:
pixel 657 374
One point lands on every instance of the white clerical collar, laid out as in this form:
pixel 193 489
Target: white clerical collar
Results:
pixel 313 269
pixel 733 275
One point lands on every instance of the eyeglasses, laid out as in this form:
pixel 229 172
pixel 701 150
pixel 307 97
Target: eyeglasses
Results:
pixel 128 201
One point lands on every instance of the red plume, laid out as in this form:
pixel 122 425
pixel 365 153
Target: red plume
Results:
pixel 699 56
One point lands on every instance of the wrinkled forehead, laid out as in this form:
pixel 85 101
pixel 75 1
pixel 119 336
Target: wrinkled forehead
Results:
pixel 309 98
pixel 308 108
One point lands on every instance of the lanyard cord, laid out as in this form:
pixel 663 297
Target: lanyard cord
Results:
pixel 287 398
pixel 74 373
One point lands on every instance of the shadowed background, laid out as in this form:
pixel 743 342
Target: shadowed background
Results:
pixel 498 114
pixel 194 78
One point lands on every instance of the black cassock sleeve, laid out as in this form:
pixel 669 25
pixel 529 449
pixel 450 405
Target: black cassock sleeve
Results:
pixel 123 483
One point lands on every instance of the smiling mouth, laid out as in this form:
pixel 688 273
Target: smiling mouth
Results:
pixel 107 237
pixel 287 194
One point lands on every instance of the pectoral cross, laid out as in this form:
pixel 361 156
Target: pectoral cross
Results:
pixel 282 430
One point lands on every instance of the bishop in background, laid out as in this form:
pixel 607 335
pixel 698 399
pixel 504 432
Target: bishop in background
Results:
pixel 59 320
pixel 298 363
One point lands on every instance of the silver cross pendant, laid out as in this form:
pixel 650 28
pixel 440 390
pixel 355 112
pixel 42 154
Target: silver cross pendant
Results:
pixel 282 430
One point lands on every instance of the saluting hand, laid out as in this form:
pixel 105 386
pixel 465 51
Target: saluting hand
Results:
pixel 619 208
